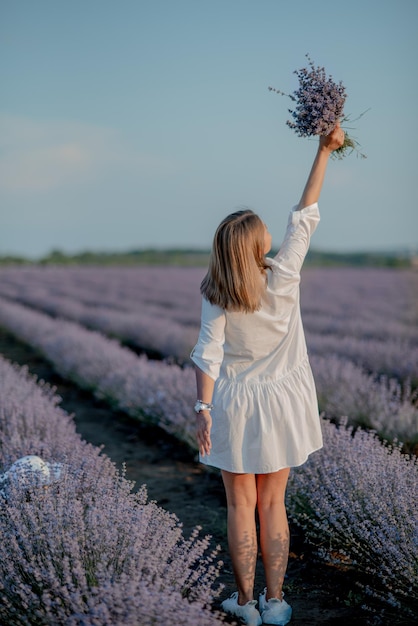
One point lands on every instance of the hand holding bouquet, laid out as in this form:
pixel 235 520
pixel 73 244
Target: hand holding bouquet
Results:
pixel 319 106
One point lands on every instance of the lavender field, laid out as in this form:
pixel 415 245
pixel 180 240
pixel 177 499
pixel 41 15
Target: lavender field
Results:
pixel 361 328
pixel 356 500
pixel 81 548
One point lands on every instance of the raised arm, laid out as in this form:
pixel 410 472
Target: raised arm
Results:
pixel 313 186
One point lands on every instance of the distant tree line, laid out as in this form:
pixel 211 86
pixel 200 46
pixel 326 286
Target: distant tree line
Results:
pixel 198 257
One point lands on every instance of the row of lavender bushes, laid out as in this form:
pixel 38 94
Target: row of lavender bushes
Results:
pixel 149 389
pixel 150 328
pixel 169 291
pixel 354 358
pixel 357 501
pixel 364 321
pixel 367 316
pixel 345 299
pixel 327 496
pixel 85 549
pixel 350 387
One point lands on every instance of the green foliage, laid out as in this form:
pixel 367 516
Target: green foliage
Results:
pixel 13 260
pixel 200 258
pixel 357 259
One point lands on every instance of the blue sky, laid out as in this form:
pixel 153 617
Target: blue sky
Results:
pixel 130 124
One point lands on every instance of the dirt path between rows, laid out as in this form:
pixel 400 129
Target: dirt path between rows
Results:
pixel 319 594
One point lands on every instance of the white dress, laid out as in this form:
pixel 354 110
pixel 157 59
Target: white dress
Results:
pixel 265 414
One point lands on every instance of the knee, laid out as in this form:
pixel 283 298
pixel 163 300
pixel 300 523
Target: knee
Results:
pixel 241 491
pixel 270 502
pixel 242 503
pixel 271 489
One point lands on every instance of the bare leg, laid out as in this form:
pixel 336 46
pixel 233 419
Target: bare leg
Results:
pixel 274 529
pixel 241 495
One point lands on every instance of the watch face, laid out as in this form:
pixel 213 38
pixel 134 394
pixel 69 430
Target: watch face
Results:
pixel 202 405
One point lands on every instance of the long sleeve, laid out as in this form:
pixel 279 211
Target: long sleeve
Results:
pixel 208 352
pixel 300 227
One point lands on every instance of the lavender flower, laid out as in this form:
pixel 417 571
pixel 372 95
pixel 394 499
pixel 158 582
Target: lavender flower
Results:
pixel 319 105
pixel 365 362
pixel 378 339
pixel 83 548
pixel 357 501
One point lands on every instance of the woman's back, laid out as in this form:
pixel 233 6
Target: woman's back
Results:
pixel 268 343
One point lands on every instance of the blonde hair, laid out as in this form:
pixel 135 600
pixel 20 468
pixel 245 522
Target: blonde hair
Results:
pixel 236 277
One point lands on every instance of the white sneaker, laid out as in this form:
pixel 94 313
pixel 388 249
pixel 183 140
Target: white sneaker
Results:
pixel 247 613
pixel 274 611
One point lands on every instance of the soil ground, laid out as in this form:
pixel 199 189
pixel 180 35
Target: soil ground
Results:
pixel 319 594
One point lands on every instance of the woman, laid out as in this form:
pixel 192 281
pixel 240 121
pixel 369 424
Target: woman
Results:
pixel 257 412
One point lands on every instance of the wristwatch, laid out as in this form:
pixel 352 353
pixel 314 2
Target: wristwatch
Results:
pixel 202 406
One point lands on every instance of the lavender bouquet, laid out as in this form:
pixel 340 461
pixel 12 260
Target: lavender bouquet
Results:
pixel 319 106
